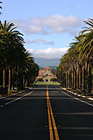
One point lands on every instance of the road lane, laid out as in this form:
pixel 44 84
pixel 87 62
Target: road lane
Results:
pixel 74 119
pixel 12 98
pixel 26 118
pixel 52 124
pixel 41 110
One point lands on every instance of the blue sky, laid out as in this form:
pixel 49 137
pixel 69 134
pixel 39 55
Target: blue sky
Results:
pixel 48 25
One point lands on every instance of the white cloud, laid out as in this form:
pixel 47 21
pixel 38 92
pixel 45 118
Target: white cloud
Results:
pixel 35 29
pixel 51 24
pixel 48 53
pixel 49 43
pixel 38 41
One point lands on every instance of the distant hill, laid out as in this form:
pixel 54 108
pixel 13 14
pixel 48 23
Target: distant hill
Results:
pixel 54 68
pixel 43 62
pixel 41 68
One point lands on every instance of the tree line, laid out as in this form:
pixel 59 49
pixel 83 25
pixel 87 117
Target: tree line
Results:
pixel 17 66
pixel 76 66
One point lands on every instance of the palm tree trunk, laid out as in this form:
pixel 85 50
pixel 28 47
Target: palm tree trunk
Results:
pixel 74 80
pixel 17 80
pixel 83 78
pixel 68 79
pixel 4 77
pixel 9 78
pixel 79 78
pixel 23 80
pixel 26 82
pixel 12 78
pixel 64 82
pixel 89 79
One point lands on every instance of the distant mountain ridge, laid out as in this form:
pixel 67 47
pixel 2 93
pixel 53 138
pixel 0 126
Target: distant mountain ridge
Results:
pixel 44 62
pixel 54 68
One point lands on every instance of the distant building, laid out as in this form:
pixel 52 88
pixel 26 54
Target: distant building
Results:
pixel 46 74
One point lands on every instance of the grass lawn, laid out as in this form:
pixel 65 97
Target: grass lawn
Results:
pixel 41 83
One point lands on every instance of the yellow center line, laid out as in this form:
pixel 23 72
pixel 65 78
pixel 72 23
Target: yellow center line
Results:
pixel 51 119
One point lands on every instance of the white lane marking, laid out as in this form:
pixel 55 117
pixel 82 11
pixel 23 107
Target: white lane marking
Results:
pixel 90 98
pixel 17 98
pixel 2 97
pixel 12 95
pixel 79 95
pixel 13 101
pixel 77 98
pixel 83 96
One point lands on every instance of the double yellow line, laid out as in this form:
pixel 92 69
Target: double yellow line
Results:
pixel 51 120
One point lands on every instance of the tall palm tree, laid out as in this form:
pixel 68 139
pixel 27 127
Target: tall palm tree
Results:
pixel 14 57
pixel 85 48
pixel 29 72
pixel 78 58
pixel 11 38
pixel 2 54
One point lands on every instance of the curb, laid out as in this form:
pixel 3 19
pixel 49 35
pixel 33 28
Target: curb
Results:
pixel 12 95
pixel 78 94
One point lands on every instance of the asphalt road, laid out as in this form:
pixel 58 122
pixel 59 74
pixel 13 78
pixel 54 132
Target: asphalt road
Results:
pixel 46 113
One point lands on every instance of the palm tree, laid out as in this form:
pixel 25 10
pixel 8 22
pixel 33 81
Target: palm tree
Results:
pixel 79 58
pixel 85 49
pixel 14 57
pixel 2 58
pixel 87 34
pixel 11 39
pixel 2 54
pixel 60 75
pixel 31 69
